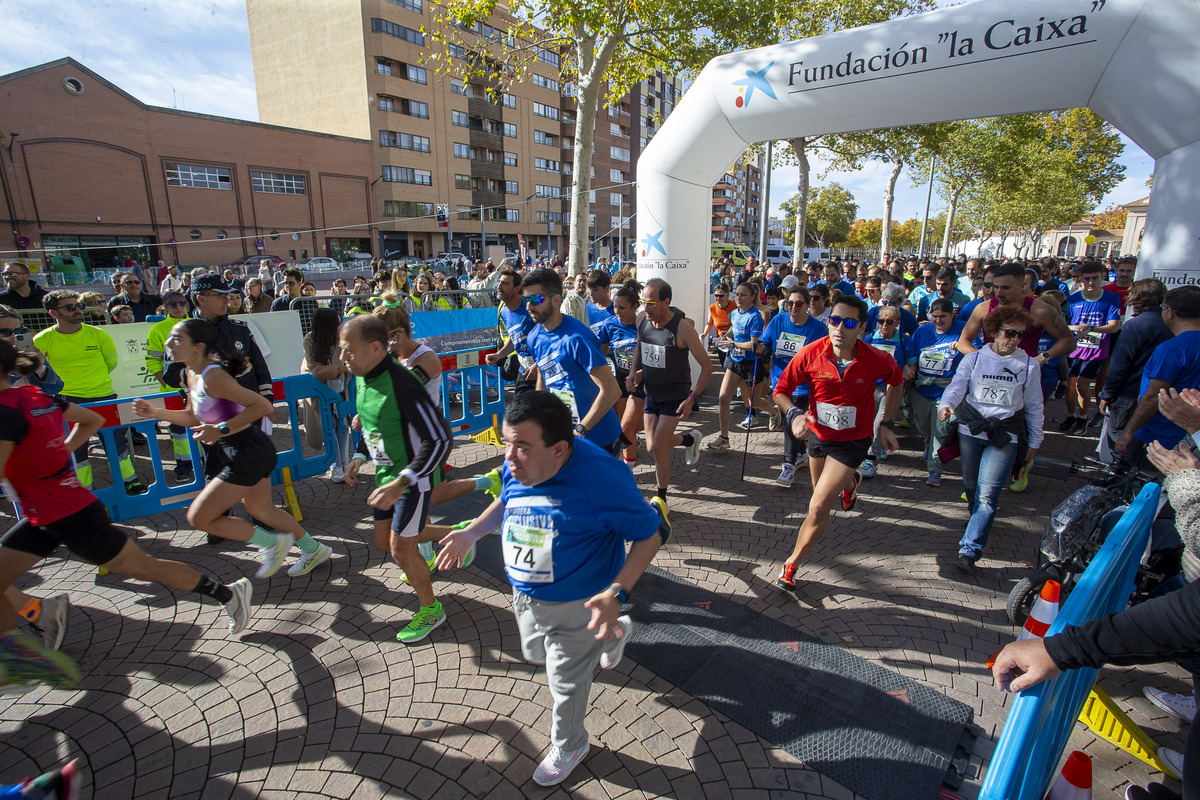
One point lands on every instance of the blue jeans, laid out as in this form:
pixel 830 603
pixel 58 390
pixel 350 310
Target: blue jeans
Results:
pixel 985 470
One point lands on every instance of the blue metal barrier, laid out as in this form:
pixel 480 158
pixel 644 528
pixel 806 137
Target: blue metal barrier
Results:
pixel 475 409
pixel 160 496
pixel 1041 718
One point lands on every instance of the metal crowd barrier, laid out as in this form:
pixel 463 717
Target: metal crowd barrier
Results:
pixel 118 415
pixel 1041 718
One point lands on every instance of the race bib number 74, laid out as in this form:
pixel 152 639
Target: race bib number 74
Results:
pixel 528 553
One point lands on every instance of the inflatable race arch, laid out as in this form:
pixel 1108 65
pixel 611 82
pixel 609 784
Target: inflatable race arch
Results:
pixel 1134 62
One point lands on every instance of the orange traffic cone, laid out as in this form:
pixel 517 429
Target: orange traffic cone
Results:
pixel 1075 782
pixel 1044 612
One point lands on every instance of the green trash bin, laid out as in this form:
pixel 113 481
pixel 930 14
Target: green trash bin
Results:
pixel 71 268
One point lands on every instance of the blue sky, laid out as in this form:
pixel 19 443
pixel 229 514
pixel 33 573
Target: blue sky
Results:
pixel 195 55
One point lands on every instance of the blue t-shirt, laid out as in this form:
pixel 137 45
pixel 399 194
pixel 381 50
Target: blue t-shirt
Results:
pixel 744 326
pixel 596 315
pixel 1092 346
pixel 785 338
pixel 622 339
pixel 965 314
pixel 1050 368
pixel 937 358
pixel 1175 362
pixel 566 356
pixel 517 324
pixel 920 293
pixel 900 346
pixel 959 300
pixel 559 543
pixel 844 286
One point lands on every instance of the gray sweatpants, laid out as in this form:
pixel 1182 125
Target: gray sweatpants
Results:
pixel 556 634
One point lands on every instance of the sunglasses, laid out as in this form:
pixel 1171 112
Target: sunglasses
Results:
pixel 13 274
pixel 793 304
pixel 721 295
pixel 988 285
pixel 11 331
pixel 1009 333
pixel 848 324
pixel 537 299
pixel 70 307
pixel 889 322
pixel 131 283
pixel 179 304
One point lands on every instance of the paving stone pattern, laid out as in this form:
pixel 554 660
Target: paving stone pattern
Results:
pixel 318 699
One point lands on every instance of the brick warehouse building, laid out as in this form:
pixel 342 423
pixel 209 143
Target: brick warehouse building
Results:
pixel 86 169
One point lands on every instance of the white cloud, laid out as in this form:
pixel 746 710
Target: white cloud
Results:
pixel 181 53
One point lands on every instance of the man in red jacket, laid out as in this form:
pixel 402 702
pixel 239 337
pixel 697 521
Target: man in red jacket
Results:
pixel 841 372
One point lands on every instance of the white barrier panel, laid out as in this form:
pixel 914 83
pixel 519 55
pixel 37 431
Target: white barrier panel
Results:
pixel 1132 61
pixel 279 331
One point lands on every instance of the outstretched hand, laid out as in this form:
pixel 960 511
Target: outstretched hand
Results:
pixel 1021 665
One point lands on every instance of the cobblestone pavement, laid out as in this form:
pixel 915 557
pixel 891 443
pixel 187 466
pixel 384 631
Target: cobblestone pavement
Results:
pixel 317 699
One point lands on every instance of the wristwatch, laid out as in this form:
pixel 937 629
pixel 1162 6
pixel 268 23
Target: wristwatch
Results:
pixel 223 427
pixel 619 593
pixel 580 429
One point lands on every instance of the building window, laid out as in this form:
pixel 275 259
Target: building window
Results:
pixel 411 5
pixel 616 175
pixel 462 181
pixel 421 177
pixel 511 187
pixel 548 57
pixel 413 108
pixel 543 110
pixel 461 150
pixel 468 212
pixel 510 159
pixel 509 100
pixel 545 165
pixel 406 208
pixel 417 74
pixel 615 198
pixel 549 191
pixel 619 153
pixel 542 137
pixel 383 67
pixel 545 83
pixel 405 141
pixel 510 130
pixel 399 31
pixel 198 177
pixel 459 118
pixel 512 215
pixel 547 216
pixel 277 182
pixel 457 87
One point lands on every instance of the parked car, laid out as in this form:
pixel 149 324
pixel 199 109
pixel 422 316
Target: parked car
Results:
pixel 359 261
pixel 254 261
pixel 319 264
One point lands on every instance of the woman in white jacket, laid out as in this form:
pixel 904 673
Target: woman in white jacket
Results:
pixel 997 395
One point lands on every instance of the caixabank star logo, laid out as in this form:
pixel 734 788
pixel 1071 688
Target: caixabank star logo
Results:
pixel 755 80
pixel 652 242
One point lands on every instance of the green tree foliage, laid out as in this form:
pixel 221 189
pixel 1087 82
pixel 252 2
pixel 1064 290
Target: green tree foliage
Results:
pixel 831 211
pixel 1110 219
pixel 865 234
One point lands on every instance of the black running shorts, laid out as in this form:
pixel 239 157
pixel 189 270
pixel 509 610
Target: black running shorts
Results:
pixel 407 514
pixel 851 453
pixel 245 457
pixel 88 533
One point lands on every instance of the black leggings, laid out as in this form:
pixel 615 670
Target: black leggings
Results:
pixel 793 448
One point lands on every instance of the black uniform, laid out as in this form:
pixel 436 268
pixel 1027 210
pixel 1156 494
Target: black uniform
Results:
pixel 233 337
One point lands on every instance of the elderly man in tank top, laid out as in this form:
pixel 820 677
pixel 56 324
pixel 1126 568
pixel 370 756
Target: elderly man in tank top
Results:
pixel 660 365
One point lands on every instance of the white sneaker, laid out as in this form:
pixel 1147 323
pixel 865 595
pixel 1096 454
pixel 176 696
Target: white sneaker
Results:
pixel 1172 760
pixel 557 765
pixel 52 624
pixel 691 453
pixel 1179 705
pixel 786 475
pixel 307 562
pixel 272 555
pixel 615 649
pixel 238 607
pixel 337 474
pixel 802 461
pixel 868 469
pixel 718 443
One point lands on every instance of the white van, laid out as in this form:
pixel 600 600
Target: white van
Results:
pixel 779 254
pixel 816 254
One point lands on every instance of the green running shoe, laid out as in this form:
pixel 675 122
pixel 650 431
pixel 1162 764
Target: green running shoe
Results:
pixel 431 563
pixel 24 660
pixel 494 477
pixel 423 623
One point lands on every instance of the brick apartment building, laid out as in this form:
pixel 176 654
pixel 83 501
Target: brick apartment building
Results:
pixel 88 170
pixel 438 140
pixel 737 205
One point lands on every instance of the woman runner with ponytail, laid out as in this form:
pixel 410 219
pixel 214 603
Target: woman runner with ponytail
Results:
pixel 224 415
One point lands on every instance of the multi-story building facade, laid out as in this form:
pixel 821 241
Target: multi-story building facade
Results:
pixel 92 173
pixel 504 156
pixel 737 205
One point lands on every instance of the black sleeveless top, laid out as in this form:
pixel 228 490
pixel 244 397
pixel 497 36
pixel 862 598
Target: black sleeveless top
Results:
pixel 666 370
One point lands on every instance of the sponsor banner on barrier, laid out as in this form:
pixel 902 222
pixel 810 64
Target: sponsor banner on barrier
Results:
pixel 277 335
pixel 453 331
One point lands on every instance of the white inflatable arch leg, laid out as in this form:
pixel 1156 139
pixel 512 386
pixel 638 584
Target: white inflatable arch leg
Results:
pixel 1135 62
